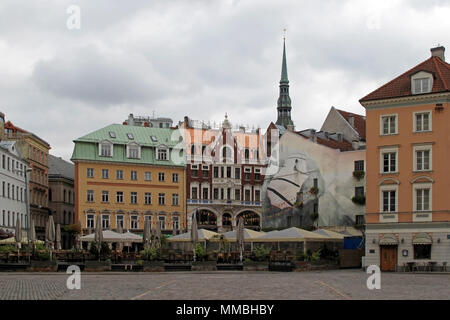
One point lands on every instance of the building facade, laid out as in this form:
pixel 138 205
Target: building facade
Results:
pixel 408 208
pixel 125 174
pixel 151 122
pixel 320 180
pixel 225 173
pixel 35 151
pixel 61 196
pixel 13 197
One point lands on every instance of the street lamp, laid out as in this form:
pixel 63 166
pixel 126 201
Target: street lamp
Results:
pixel 27 204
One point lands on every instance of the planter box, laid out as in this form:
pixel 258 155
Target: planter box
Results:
pixel 204 266
pixel 256 266
pixel 153 266
pixel 49 266
pixel 97 266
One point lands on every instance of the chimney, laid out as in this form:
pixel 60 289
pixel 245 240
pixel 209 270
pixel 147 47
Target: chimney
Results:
pixel 146 124
pixel 2 125
pixel 438 52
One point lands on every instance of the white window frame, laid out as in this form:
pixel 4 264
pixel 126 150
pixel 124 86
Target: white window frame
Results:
pixel 130 146
pixel 121 195
pixel 422 75
pixel 108 221
pixel 175 223
pixel 162 149
pixel 162 222
pixel 382 127
pixel 384 150
pixel 173 177
pixel 161 174
pixel 105 194
pixel 419 186
pixel 175 199
pixel 90 192
pixel 161 195
pixel 393 187
pixel 148 176
pixel 111 146
pixel 122 219
pixel 148 195
pixel 119 176
pixel 133 194
pixel 423 147
pixel 88 171
pixel 133 175
pixel 88 216
pixel 132 219
pixel 430 121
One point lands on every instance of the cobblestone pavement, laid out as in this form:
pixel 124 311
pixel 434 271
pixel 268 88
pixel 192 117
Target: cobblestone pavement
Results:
pixel 339 284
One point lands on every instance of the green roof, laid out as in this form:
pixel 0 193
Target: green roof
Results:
pixel 86 147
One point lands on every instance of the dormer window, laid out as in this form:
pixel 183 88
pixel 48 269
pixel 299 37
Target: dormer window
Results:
pixel 421 82
pixel 162 153
pixel 112 134
pixel 133 151
pixel 106 149
pixel 154 139
pixel 130 136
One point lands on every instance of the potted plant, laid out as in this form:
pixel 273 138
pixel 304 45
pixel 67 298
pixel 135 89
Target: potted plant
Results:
pixel 151 260
pixel 314 191
pixel 360 200
pixel 259 260
pixel 42 262
pixel 201 263
pixel 102 260
pixel 358 175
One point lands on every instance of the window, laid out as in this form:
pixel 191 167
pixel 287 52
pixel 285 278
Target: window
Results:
pixel 105 173
pixel 247 194
pixel 257 195
pixel 216 193
pixel 237 173
pixel 161 176
pixel 175 223
pixel 90 221
pixel 90 196
pixel 421 85
pixel 205 173
pixel 359 192
pixel 194 193
pixel 105 221
pixel 175 177
pixel 175 199
pixel 162 154
pixel 148 198
pixel 205 193
pixel 162 222
pixel 359 165
pixel 388 160
pixel 148 176
pixel 193 149
pixel 422 200
pixel 422 121
pixel 228 172
pixel 119 174
pixel 133 151
pixel 119 196
pixel 247 154
pixel 389 201
pixel 134 222
pixel 237 194
pixel 133 197
pixel 422 251
pixel 216 172
pixel 119 221
pixel 130 136
pixel 162 199
pixel 105 196
pixel 90 172
pixel 388 124
pixel 359 219
pixel 112 134
pixel 134 175
pixel 422 155
pixel 154 139
pixel 106 149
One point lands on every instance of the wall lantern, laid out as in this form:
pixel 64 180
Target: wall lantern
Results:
pixel 403 240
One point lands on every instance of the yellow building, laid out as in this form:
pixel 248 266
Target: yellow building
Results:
pixel 125 174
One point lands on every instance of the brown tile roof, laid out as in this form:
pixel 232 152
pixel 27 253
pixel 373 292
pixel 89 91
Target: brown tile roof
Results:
pixel 330 143
pixel 359 122
pixel 401 86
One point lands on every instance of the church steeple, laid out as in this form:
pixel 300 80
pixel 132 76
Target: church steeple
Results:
pixel 284 101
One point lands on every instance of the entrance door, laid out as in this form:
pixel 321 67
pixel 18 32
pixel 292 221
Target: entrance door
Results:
pixel 388 258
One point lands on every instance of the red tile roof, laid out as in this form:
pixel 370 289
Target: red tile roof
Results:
pixel 359 122
pixel 401 86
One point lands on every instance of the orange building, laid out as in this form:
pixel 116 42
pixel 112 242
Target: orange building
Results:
pixel 408 177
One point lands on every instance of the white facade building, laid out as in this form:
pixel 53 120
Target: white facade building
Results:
pixel 12 188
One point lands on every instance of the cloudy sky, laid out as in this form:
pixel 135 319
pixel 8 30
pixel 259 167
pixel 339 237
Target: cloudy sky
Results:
pixel 202 58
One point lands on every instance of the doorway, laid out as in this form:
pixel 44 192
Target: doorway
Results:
pixel 388 258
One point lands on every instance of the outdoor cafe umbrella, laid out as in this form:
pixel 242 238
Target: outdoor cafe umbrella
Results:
pixel 58 237
pixel 50 234
pixel 147 234
pixel 18 233
pixel 119 245
pixel 240 236
pixel 98 237
pixel 194 232
pixel 158 235
pixel 32 235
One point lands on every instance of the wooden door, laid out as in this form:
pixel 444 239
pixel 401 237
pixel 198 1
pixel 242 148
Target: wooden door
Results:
pixel 388 258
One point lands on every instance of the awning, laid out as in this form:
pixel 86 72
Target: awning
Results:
pixel 388 239
pixel 422 238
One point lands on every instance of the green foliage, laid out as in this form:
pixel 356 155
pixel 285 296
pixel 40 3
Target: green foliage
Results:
pixel 312 255
pixel 260 253
pixel 150 254
pixel 361 200
pixel 73 229
pixel 298 204
pixel 105 251
pixel 314 190
pixel 40 246
pixel 247 260
pixel 140 263
pixel 7 248
pixel 358 175
pixel 200 252
pixel 328 254
pixel 43 255
pixel 314 216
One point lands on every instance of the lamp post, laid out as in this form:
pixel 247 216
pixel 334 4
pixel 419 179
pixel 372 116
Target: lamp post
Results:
pixel 27 204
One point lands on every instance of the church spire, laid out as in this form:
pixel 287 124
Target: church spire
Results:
pixel 284 100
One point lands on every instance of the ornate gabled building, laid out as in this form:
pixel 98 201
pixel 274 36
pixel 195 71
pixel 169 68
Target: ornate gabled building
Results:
pixel 224 176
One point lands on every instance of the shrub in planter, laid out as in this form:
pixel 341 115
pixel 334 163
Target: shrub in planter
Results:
pixel 361 200
pixel 7 249
pixel 314 191
pixel 260 253
pixel 150 254
pixel 312 255
pixel 43 256
pixel 105 251
pixel 200 252
pixel 358 174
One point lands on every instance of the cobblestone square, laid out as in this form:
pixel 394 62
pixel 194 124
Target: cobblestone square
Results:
pixel 324 285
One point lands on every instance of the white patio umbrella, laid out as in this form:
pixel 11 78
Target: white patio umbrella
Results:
pixel 18 233
pixel 32 235
pixel 58 236
pixel 119 245
pixel 50 234
pixel 158 235
pixel 98 237
pixel 194 231
pixel 147 234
